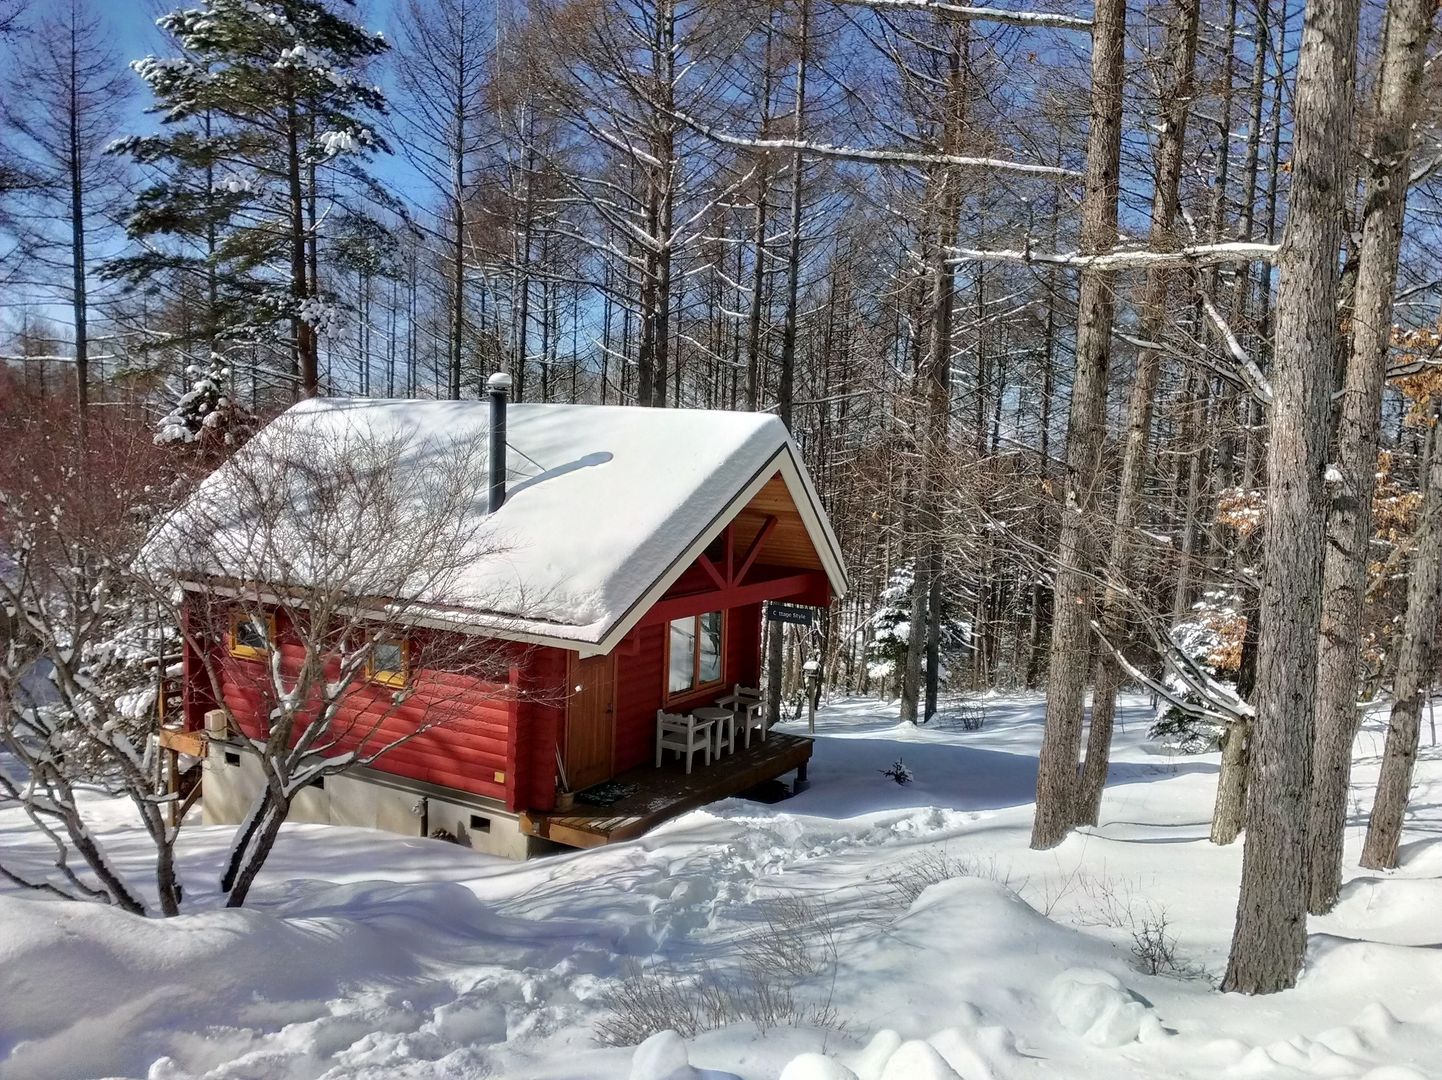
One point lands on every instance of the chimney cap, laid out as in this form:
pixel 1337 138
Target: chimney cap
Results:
pixel 500 382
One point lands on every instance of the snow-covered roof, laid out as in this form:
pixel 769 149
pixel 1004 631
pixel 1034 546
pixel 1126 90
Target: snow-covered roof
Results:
pixel 606 505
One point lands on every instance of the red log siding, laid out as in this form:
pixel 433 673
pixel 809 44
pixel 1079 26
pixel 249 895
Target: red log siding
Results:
pixel 641 681
pixel 539 721
pixel 470 734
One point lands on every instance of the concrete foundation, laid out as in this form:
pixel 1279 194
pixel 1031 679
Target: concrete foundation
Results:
pixel 367 800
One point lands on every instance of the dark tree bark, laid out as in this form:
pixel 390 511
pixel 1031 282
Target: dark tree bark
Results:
pixel 1269 942
pixel 1057 780
pixel 1349 523
pixel 1180 60
pixel 1415 660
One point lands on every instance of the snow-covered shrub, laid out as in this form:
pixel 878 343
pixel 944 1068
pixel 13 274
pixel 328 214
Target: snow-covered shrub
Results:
pixel 899 773
pixel 205 412
pixel 1212 639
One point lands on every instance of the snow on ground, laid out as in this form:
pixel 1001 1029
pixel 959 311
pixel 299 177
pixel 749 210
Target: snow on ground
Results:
pixel 366 954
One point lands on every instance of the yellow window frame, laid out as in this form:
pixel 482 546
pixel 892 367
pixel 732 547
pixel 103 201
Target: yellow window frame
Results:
pixel 386 676
pixel 250 652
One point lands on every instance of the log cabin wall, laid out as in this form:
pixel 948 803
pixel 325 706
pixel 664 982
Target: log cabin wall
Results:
pixel 470 743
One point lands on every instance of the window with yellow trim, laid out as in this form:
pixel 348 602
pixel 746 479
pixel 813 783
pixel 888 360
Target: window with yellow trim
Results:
pixel 694 648
pixel 390 662
pixel 251 636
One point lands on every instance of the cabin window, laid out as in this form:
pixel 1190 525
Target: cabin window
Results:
pixel 694 648
pixel 389 662
pixel 251 635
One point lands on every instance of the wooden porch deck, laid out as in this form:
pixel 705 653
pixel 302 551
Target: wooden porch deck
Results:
pixel 668 792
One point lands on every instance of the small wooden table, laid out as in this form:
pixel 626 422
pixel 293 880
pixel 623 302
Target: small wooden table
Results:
pixel 723 723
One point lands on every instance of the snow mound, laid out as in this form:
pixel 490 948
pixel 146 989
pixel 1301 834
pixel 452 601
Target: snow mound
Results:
pixel 664 1057
pixel 1094 1006
pixel 816 1067
pixel 917 1060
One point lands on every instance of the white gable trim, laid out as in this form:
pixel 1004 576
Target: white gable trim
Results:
pixel 798 484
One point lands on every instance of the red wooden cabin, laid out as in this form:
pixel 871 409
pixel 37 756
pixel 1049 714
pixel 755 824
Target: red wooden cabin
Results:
pixel 644 545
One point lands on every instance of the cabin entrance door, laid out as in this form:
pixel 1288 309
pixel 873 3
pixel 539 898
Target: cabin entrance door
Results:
pixel 590 721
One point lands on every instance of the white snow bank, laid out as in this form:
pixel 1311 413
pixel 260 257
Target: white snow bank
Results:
pixel 1095 1006
pixel 664 1057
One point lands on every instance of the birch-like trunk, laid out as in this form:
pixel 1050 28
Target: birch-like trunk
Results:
pixel 1057 780
pixel 1269 942
pixel 1349 524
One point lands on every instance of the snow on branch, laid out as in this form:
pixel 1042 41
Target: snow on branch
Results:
pixel 1255 378
pixel 1193 255
pixel 984 14
pixel 877 155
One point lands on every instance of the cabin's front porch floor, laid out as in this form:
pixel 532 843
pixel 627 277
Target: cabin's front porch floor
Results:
pixel 668 792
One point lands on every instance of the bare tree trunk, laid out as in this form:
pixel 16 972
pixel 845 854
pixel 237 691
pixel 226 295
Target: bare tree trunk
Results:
pixel 1181 49
pixel 787 381
pixel 1349 524
pixel 1414 669
pixel 307 362
pixel 1056 782
pixel 1269 942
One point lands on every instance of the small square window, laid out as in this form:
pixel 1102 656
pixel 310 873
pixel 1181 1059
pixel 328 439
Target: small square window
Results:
pixel 480 824
pixel 389 662
pixel 232 758
pixel 251 635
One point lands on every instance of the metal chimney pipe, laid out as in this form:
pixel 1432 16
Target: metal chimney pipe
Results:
pixel 498 386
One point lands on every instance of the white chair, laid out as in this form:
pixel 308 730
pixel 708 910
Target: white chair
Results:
pixel 745 703
pixel 684 734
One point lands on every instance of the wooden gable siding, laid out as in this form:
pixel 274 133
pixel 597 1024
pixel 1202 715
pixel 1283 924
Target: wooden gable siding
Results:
pixel 469 741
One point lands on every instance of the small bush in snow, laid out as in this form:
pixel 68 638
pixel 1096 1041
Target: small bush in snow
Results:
pixel 899 773
pixel 796 939
pixel 1153 949
pixel 797 936
pixel 932 867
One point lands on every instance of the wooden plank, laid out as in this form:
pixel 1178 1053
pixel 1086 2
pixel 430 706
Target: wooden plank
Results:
pixel 183 742
pixel 668 792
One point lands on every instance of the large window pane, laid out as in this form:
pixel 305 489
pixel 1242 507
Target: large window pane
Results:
pixel 683 655
pixel 711 647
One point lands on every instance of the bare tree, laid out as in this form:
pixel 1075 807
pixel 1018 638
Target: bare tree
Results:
pixel 1415 664
pixel 1269 942
pixel 1056 785
pixel 443 69
pixel 336 541
pixel 65 101
pixel 1408 30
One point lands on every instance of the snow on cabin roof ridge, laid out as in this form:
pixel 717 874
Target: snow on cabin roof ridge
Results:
pixel 602 500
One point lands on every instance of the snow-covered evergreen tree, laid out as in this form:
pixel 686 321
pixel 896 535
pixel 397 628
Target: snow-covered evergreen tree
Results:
pixel 268 124
pixel 1212 639
pixel 891 627
pixel 206 413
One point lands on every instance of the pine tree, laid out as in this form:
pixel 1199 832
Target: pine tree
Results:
pixel 267 127
pixel 207 412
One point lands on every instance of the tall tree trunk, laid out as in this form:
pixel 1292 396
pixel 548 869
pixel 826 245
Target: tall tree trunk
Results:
pixel 787 381
pixel 1415 659
pixel 1056 782
pixel 1180 60
pixel 79 303
pixel 1349 524
pixel 1269 942
pixel 307 361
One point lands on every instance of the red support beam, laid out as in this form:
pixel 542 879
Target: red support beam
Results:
pixel 805 587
